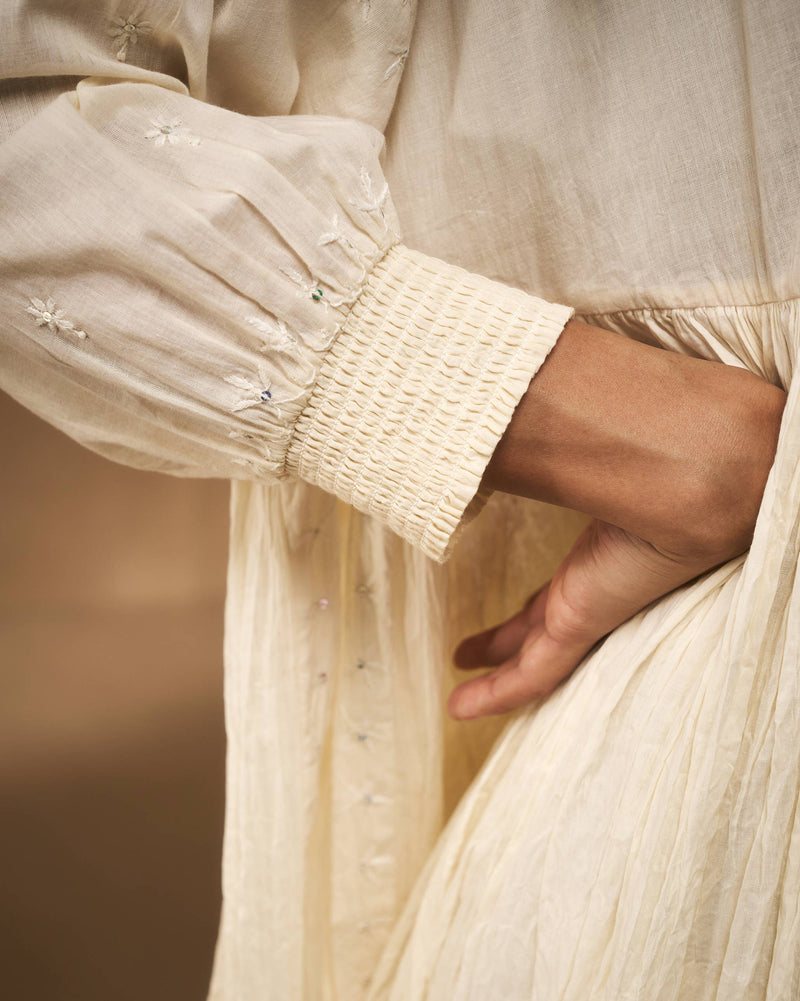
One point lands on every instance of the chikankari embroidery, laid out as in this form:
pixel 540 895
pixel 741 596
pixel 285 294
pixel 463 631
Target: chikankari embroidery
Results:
pixel 368 733
pixel 276 334
pixel 370 798
pixel 310 287
pixel 127 31
pixel 258 393
pixel 315 290
pixel 48 315
pixel 400 61
pixel 371 201
pixel 335 235
pixel 173 131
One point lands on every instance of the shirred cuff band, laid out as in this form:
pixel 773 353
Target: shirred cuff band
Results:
pixel 416 391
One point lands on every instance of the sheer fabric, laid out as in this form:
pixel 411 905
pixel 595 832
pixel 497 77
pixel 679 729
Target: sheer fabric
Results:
pixel 634 836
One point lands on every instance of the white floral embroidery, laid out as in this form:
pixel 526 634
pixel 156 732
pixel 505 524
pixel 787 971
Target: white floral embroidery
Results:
pixel 368 797
pixel 48 315
pixel 305 284
pixel 366 7
pixel 398 64
pixel 173 132
pixel 370 200
pixel 314 288
pixel 126 31
pixel 367 733
pixel 258 393
pixel 278 336
pixel 336 236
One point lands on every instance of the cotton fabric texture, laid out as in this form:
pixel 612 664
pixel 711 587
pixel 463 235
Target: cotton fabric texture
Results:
pixel 213 266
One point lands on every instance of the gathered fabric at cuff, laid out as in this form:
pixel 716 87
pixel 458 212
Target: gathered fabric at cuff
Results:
pixel 416 391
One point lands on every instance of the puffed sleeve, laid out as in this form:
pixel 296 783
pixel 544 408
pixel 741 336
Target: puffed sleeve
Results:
pixel 204 293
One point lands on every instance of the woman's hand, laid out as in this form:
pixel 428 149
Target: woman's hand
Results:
pixel 608 576
pixel 668 454
pixel 675 450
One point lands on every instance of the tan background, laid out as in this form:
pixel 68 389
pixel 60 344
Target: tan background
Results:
pixel 111 729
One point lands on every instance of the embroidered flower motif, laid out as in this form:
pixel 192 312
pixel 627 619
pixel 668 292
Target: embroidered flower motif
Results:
pixel 279 339
pixel 370 200
pixel 365 796
pixel 335 235
pixel 366 7
pixel 398 64
pixel 126 31
pixel 278 336
pixel 312 287
pixel 172 132
pixel 368 732
pixel 48 315
pixel 258 393
pixel 370 798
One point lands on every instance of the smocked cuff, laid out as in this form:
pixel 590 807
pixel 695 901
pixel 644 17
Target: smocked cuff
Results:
pixel 416 391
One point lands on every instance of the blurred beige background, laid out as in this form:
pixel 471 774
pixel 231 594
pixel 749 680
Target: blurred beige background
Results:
pixel 111 722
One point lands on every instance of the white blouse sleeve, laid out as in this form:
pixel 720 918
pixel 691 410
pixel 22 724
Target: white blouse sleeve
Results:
pixel 203 293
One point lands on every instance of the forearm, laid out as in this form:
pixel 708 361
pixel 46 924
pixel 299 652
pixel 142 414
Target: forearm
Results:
pixel 674 449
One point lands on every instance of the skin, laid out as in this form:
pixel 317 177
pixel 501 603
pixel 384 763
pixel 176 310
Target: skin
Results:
pixel 668 454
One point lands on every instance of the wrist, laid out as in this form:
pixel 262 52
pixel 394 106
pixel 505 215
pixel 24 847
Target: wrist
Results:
pixel 673 449
pixel 749 412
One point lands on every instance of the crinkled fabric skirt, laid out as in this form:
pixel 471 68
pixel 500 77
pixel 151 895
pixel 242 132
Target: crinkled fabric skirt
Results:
pixel 634 836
